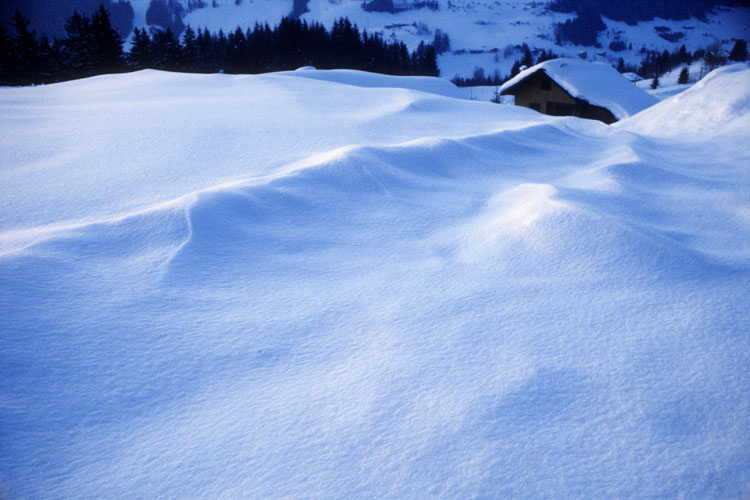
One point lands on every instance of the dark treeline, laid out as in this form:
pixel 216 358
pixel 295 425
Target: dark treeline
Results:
pixel 92 47
pixel 655 64
pixel 582 30
pixel 480 78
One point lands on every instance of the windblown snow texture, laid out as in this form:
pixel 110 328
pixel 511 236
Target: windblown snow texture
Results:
pixel 285 287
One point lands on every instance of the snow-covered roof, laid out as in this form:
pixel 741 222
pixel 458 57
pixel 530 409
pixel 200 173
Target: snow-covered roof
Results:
pixel 633 77
pixel 597 83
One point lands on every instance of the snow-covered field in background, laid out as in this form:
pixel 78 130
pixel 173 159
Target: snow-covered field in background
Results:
pixel 483 33
pixel 284 286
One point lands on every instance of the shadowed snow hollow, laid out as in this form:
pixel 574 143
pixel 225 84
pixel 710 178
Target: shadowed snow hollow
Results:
pixel 275 286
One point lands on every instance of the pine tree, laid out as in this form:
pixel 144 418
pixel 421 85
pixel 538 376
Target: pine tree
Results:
pixel 682 55
pixel 515 69
pixel 206 53
pixel 24 59
pixel 684 77
pixel 441 42
pixel 5 56
pixel 429 65
pixel 545 56
pixel 419 60
pixel 141 53
pixel 402 63
pixel 236 57
pixel 58 60
pixel 79 46
pixel 190 50
pixel 496 98
pixel 46 66
pixel 655 82
pixel 167 51
pixel 739 51
pixel 527 60
pixel 109 56
pixel 665 62
pixel 220 50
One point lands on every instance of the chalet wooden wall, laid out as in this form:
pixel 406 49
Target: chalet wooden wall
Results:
pixel 540 92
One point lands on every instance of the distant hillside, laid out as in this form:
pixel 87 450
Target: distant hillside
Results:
pixel 473 36
pixel 634 11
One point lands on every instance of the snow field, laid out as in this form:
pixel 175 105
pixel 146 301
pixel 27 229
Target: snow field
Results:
pixel 292 287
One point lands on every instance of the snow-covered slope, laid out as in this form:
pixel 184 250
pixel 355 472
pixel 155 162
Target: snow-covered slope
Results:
pixel 715 106
pixel 283 287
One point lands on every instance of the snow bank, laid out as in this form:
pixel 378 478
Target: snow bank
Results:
pixel 432 85
pixel 718 105
pixel 597 83
pixel 266 286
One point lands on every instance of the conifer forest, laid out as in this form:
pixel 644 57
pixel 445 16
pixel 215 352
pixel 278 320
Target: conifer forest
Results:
pixel 92 46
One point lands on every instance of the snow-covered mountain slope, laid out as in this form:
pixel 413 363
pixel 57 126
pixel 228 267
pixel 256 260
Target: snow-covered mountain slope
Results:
pixel 483 33
pixel 276 286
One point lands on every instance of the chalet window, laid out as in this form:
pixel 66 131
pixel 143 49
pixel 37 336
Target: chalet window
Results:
pixel 560 109
pixel 535 106
pixel 546 84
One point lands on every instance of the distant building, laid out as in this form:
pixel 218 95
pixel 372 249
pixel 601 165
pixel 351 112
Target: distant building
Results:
pixel 633 77
pixel 573 87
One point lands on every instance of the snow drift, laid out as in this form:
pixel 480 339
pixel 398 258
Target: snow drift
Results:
pixel 275 286
pixel 439 86
pixel 718 105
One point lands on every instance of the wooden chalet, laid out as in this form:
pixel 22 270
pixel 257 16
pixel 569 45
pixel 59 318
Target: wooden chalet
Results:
pixel 567 87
